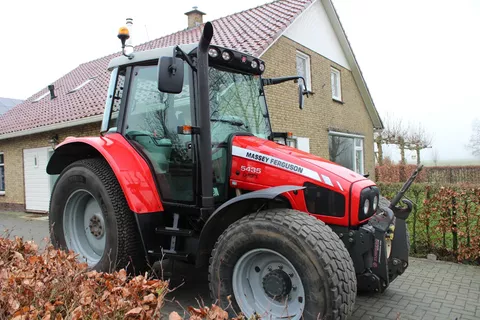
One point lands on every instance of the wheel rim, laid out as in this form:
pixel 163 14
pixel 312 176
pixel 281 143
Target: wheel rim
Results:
pixel 84 226
pixel 267 284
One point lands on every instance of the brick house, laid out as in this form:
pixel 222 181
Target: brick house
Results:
pixel 292 36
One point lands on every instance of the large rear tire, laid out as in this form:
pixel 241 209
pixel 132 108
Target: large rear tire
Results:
pixel 89 215
pixel 283 263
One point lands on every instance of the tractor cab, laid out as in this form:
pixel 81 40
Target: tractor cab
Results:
pixel 154 102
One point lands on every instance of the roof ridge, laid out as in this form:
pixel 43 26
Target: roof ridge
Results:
pixel 251 30
pixel 190 29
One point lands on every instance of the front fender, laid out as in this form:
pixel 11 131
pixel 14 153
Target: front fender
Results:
pixel 132 171
pixel 231 211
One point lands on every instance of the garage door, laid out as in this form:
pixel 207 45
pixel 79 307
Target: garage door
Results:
pixel 38 184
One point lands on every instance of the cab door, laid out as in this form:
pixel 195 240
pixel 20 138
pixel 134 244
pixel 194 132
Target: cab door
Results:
pixel 151 122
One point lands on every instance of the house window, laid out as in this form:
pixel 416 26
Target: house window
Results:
pixel 291 142
pixel 303 68
pixel 336 84
pixel 347 150
pixel 2 174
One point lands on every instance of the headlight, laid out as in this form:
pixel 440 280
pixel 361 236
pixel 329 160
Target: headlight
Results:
pixel 213 52
pixel 226 55
pixel 366 206
pixel 375 203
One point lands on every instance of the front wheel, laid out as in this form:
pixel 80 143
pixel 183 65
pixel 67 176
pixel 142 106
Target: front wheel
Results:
pixel 283 264
pixel 90 216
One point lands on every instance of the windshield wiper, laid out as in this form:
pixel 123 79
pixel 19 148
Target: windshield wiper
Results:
pixel 237 123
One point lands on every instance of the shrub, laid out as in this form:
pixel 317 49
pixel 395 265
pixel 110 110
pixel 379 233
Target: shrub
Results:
pixel 53 285
pixel 445 219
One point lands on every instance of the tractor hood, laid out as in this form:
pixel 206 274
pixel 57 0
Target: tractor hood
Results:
pixel 292 160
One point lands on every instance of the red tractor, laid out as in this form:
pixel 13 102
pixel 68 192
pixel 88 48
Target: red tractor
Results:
pixel 186 168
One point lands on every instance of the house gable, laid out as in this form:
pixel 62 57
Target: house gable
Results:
pixel 313 30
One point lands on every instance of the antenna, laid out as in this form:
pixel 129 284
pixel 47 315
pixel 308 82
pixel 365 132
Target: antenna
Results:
pixel 146 31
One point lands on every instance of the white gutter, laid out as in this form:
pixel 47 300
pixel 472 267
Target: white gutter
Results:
pixel 51 127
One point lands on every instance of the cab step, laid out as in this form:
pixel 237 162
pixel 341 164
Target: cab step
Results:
pixel 182 256
pixel 168 231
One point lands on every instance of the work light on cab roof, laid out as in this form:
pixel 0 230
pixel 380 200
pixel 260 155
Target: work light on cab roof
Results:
pixel 237 60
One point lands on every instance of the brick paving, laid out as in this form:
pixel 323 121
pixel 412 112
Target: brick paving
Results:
pixel 427 290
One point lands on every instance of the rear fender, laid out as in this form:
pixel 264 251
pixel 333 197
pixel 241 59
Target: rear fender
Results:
pixel 233 210
pixel 132 171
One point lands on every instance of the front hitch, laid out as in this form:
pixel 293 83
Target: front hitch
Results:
pixel 391 244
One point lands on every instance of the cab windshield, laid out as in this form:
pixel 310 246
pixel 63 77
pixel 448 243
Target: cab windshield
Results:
pixel 236 105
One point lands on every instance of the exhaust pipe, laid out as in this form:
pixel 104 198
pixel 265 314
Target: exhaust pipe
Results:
pixel 205 151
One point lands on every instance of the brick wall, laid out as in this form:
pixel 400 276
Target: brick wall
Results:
pixel 14 198
pixel 320 112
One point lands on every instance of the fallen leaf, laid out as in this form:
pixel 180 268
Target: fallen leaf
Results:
pixel 218 313
pixel 77 313
pixel 198 312
pixel 49 307
pixel 3 274
pixel 47 316
pixel 174 316
pixel 18 256
pixel 122 275
pixel 150 298
pixel 134 312
pixel 13 304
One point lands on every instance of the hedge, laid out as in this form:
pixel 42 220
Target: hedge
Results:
pixel 445 219
pixel 438 175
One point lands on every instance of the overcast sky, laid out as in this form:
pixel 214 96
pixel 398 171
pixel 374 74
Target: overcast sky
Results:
pixel 420 58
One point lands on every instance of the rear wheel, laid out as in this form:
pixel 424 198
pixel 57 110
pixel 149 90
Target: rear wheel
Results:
pixel 283 263
pixel 89 215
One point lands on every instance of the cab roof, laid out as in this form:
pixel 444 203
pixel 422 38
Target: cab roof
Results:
pixel 149 55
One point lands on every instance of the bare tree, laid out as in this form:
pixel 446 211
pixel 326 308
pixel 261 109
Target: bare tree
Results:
pixel 474 144
pixel 435 156
pixel 417 139
pixel 394 133
pixel 406 137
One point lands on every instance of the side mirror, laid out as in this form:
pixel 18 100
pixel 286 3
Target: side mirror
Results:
pixel 170 74
pixel 301 99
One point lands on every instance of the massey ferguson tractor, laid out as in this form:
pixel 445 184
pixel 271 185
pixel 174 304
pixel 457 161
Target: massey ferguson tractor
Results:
pixel 186 168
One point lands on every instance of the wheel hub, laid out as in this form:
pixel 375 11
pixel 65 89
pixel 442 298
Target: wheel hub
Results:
pixel 96 226
pixel 277 284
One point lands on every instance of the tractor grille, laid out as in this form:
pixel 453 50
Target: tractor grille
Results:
pixel 324 201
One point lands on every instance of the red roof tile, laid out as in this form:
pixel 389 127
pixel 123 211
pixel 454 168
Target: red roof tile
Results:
pixel 250 31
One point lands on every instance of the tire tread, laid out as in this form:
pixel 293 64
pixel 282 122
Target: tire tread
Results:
pixel 334 257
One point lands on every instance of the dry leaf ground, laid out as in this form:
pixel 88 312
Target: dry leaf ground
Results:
pixel 52 285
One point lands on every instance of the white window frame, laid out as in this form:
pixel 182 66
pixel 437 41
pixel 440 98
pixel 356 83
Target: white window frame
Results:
pixel 2 164
pixel 308 74
pixel 334 71
pixel 355 137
